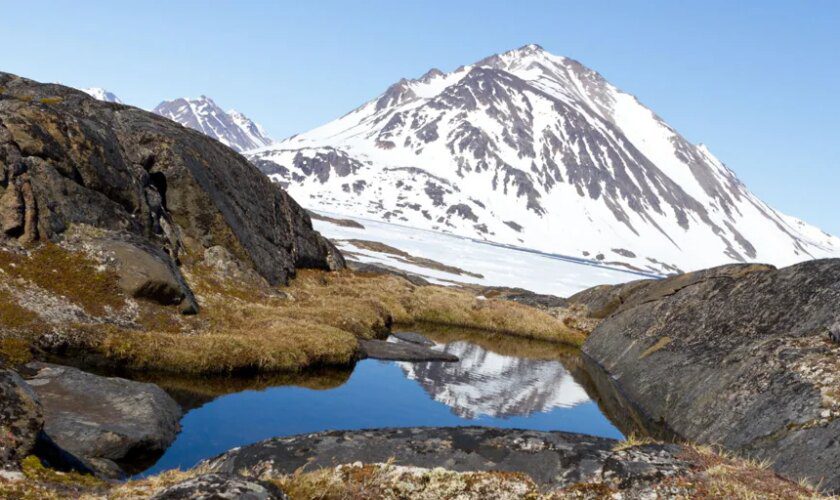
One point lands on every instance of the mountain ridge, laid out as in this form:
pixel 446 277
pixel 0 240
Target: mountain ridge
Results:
pixel 231 128
pixel 536 150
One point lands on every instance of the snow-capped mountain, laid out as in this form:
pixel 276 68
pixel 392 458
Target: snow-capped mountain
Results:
pixel 231 128
pixel 491 384
pixel 101 94
pixel 531 149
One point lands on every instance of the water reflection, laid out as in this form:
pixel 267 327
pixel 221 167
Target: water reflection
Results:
pixel 495 385
pixel 500 381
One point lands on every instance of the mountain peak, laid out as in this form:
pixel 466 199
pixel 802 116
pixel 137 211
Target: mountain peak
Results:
pixel 232 128
pixel 101 94
pixel 525 148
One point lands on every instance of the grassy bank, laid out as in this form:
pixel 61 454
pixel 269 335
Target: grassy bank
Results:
pixel 60 297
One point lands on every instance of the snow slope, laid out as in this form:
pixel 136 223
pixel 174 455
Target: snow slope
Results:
pixel 531 149
pixel 499 265
pixel 101 94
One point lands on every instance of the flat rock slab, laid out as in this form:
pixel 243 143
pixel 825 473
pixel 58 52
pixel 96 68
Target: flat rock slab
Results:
pixel 103 420
pixel 401 351
pixel 551 458
pixel 413 337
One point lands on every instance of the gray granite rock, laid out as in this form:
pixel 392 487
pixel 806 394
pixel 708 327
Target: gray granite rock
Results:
pixel 736 355
pixel 103 421
pixel 552 459
pixel 67 159
pixel 21 419
pixel 221 487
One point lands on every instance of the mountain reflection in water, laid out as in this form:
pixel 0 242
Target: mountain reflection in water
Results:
pixel 500 381
pixel 496 385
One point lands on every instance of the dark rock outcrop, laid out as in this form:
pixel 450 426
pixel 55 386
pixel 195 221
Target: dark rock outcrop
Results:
pixel 737 355
pixel 221 486
pixel 68 160
pixel 552 459
pixel 21 419
pixel 104 421
pixel 401 351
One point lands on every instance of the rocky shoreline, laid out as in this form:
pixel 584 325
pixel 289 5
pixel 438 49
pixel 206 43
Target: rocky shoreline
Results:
pixel 738 356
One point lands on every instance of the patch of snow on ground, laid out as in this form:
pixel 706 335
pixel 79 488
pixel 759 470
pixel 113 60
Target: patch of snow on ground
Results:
pixel 500 265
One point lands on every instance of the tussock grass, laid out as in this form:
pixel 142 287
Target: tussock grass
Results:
pixel 65 273
pixel 13 315
pixel 389 481
pixel 723 475
pixel 316 320
pixel 247 326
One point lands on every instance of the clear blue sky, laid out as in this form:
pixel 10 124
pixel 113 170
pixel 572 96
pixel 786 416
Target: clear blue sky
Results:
pixel 757 81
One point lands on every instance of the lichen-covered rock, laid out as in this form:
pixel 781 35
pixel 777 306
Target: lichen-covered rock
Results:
pixel 21 419
pixel 221 487
pixel 738 356
pixel 103 420
pixel 550 458
pixel 67 159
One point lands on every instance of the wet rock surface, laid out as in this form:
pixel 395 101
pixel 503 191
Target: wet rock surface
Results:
pixel 401 351
pixel 220 487
pixel 21 419
pixel 551 459
pixel 103 421
pixel 414 338
pixel 738 355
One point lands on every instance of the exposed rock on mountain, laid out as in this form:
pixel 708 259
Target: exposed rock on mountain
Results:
pixel 69 162
pixel 231 128
pixel 739 355
pixel 536 150
pixel 101 420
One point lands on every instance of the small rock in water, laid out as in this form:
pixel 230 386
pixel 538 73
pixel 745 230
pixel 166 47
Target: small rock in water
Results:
pixel 413 337
pixel 402 351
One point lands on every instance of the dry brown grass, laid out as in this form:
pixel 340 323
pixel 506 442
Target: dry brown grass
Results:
pixel 15 351
pixel 315 321
pixel 722 475
pixel 65 273
pixel 376 246
pixel 388 481
pixel 250 327
pixel 12 315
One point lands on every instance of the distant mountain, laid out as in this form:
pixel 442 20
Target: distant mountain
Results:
pixel 231 128
pixel 101 94
pixel 531 149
